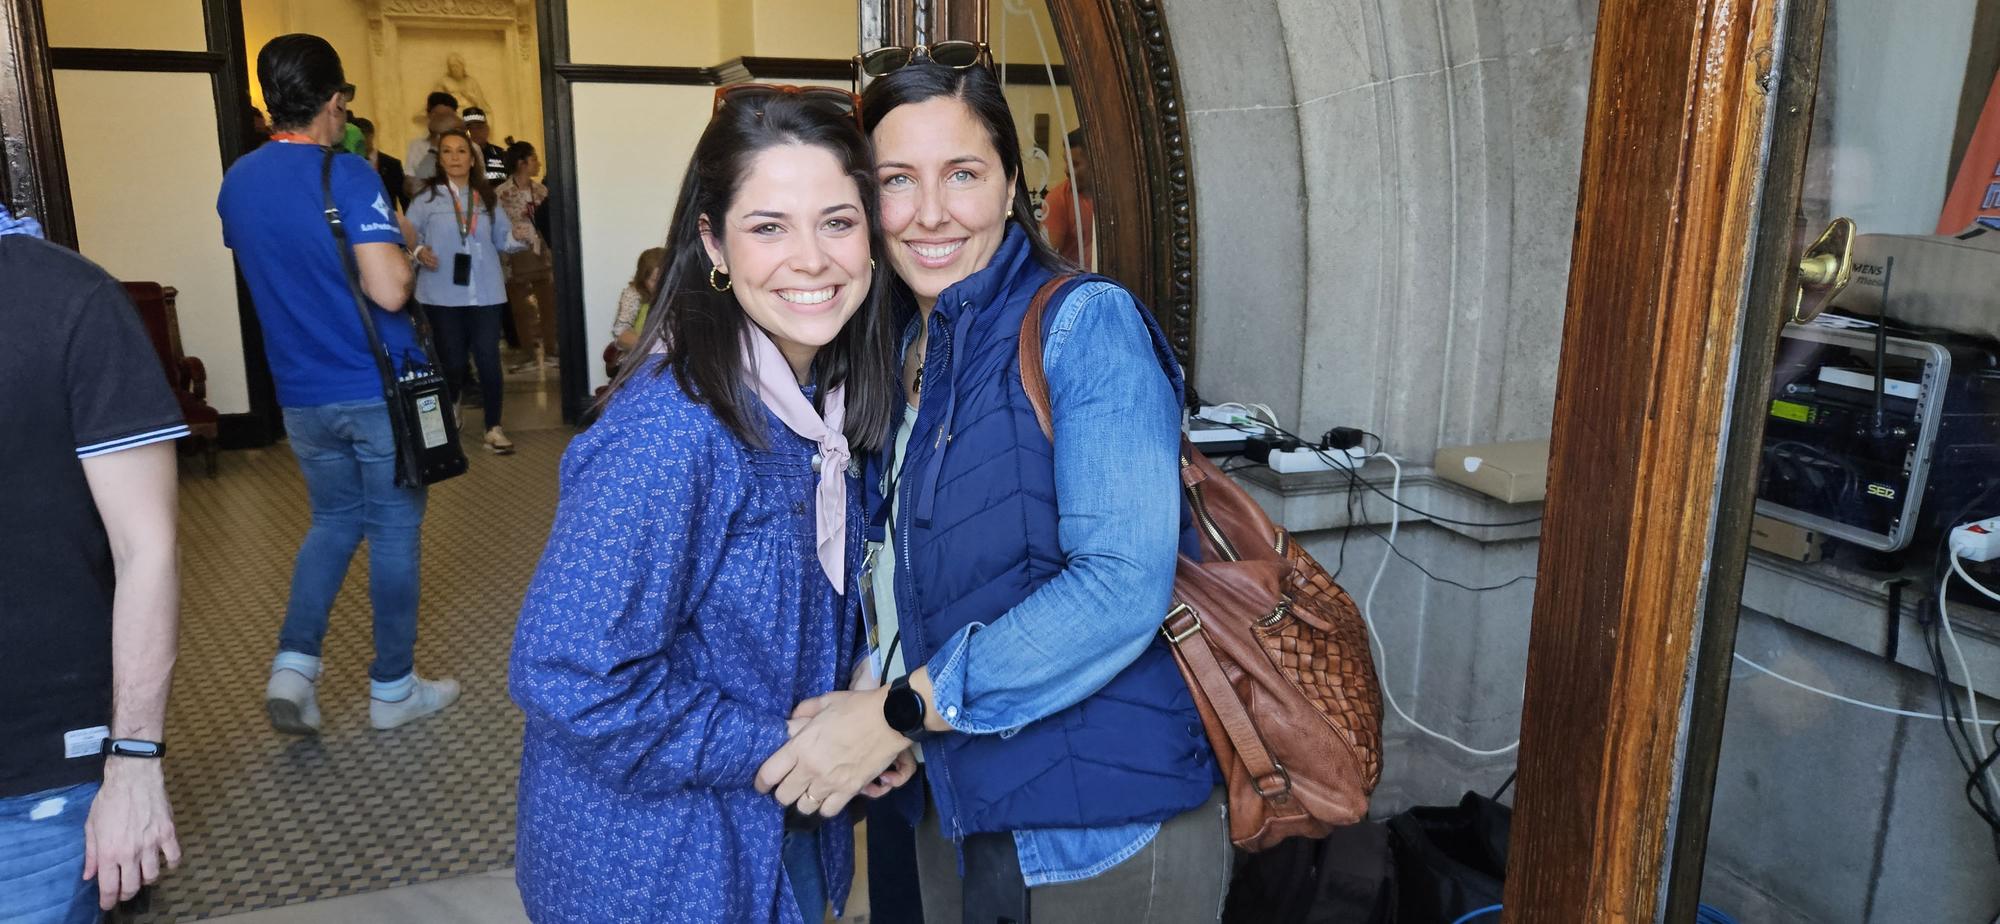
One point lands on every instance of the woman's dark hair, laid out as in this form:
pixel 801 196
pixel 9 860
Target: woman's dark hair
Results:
pixel 476 179
pixel 299 73
pixel 440 98
pixel 923 80
pixel 702 329
pixel 367 127
pixel 511 159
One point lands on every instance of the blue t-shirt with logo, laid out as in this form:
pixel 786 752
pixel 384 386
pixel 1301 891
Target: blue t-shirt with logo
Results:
pixel 273 216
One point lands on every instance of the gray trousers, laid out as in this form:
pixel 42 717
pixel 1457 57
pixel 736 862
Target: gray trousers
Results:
pixel 1181 877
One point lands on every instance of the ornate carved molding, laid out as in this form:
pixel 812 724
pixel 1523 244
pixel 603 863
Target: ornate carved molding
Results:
pixel 1128 94
pixel 454 9
pixel 1175 198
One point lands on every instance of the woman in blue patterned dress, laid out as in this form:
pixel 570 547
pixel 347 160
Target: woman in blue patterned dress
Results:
pixel 696 583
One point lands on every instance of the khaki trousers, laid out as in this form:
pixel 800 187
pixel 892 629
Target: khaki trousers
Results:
pixel 531 296
pixel 1181 877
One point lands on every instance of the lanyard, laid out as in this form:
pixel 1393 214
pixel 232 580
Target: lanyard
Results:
pixel 467 218
pixel 294 138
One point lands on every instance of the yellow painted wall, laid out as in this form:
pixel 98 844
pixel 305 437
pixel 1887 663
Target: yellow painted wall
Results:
pixel 394 98
pixel 1012 29
pixel 170 25
pixel 699 33
pixel 685 33
pixel 343 24
pixel 806 28
pixel 144 166
pixel 737 33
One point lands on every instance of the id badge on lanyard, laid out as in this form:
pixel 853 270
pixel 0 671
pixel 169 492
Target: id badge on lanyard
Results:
pixel 466 220
pixel 878 658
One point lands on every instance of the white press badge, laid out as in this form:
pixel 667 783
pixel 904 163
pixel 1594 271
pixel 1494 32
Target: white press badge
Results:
pixel 85 742
pixel 430 416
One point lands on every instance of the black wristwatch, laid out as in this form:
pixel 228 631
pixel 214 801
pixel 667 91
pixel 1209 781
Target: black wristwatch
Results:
pixel 903 709
pixel 134 747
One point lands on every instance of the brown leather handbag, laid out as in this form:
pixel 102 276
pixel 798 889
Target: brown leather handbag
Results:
pixel 1275 653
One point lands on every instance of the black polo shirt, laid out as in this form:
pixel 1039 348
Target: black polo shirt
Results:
pixel 78 379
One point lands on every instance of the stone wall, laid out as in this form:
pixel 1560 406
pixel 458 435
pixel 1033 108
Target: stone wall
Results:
pixel 1385 194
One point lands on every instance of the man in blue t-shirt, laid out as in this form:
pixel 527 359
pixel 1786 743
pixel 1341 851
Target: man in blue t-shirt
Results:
pixel 273 216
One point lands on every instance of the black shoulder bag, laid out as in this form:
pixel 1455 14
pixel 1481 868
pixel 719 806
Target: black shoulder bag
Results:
pixel 420 410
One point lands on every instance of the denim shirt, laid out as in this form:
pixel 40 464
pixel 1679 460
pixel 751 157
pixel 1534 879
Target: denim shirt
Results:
pixel 436 224
pixel 1117 427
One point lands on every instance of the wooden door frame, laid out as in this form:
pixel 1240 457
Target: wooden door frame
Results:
pixel 38 171
pixel 34 181
pixel 1692 158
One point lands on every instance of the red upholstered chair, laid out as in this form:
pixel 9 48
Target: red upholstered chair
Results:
pixel 186 374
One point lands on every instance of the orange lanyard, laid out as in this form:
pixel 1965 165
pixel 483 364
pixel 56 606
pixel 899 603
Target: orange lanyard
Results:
pixel 467 218
pixel 295 138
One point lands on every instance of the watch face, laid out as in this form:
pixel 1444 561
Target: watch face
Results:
pixel 904 710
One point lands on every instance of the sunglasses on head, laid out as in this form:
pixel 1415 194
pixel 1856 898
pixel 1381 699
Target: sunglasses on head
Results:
pixel 956 55
pixel 830 99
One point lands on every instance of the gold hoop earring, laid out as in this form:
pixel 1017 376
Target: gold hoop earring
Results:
pixel 722 286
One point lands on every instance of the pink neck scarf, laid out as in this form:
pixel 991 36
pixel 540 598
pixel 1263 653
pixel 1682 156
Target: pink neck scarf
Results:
pixel 771 376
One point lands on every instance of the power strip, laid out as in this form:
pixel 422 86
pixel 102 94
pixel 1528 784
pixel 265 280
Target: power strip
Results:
pixel 1977 541
pixel 1295 461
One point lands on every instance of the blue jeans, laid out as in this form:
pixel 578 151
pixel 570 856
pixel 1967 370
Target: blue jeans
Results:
pixel 801 859
pixel 474 332
pixel 41 858
pixel 348 455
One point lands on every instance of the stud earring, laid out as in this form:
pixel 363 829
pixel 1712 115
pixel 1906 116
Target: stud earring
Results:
pixel 871 264
pixel 721 286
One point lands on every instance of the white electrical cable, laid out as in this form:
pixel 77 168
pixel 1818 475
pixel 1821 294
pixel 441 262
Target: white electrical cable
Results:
pixel 1958 566
pixel 1809 688
pixel 1964 669
pixel 1374 637
pixel 1388 696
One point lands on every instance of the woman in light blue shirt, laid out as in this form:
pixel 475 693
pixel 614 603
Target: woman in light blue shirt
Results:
pixel 459 239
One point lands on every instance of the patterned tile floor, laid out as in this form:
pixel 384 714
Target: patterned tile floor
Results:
pixel 268 820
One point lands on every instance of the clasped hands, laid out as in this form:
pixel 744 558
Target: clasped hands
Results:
pixel 840 747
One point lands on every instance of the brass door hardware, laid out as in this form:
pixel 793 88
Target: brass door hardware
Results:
pixel 1825 269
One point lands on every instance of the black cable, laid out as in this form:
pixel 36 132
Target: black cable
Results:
pixel 1352 480
pixel 1427 573
pixel 1504 786
pixel 1340 559
pixel 1958 733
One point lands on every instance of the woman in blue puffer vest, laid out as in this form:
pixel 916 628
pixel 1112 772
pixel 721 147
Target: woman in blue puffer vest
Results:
pixel 1015 587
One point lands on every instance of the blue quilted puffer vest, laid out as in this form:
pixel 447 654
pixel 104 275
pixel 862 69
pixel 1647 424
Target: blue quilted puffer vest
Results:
pixel 976 535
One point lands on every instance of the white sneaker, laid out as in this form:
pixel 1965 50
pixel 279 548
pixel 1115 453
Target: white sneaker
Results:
pixel 498 443
pixel 292 703
pixel 426 697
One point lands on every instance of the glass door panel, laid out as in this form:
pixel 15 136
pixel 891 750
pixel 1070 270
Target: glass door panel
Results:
pixel 1022 34
pixel 1847 787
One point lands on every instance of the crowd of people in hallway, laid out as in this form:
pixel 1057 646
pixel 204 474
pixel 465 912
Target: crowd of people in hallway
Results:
pixel 771 603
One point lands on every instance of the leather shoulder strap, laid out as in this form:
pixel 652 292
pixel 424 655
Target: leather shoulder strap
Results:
pixel 353 272
pixel 1034 378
